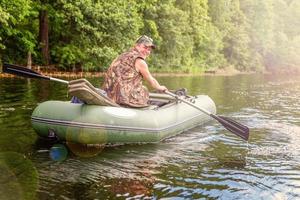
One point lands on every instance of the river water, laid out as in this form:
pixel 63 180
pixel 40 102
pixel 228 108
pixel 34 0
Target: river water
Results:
pixel 207 162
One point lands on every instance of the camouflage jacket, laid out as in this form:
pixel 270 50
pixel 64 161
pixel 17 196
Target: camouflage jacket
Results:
pixel 123 83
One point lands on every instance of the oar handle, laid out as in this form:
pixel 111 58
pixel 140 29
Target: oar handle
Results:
pixel 187 102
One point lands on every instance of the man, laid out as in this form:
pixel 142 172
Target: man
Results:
pixel 123 80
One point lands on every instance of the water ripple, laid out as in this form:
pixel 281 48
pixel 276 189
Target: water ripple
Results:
pixel 207 162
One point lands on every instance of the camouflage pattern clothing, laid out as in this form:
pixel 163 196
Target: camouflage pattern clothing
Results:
pixel 123 83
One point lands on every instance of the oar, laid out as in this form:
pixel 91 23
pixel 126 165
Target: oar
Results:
pixel 28 73
pixel 231 125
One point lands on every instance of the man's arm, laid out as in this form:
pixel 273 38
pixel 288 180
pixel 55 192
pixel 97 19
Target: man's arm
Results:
pixel 142 67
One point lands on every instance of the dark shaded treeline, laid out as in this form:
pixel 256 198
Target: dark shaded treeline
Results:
pixel 191 35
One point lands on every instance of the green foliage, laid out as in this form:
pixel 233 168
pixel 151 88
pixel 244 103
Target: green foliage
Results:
pixel 186 39
pixel 230 20
pixel 92 34
pixel 191 35
pixel 17 35
pixel 175 46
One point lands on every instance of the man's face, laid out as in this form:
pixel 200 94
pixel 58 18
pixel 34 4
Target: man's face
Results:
pixel 148 50
pixel 145 50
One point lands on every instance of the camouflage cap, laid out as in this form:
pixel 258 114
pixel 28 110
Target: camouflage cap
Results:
pixel 146 41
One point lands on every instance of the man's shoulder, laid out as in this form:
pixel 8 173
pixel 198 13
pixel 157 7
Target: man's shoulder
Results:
pixel 140 62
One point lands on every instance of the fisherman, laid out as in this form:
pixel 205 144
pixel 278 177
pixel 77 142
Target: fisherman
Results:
pixel 123 79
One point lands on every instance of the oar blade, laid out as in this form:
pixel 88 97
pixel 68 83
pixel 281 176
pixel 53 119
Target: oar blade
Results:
pixel 22 71
pixel 234 127
pixel 231 125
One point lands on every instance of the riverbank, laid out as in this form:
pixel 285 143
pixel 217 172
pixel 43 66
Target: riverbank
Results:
pixel 52 72
pixel 101 74
pixel 228 71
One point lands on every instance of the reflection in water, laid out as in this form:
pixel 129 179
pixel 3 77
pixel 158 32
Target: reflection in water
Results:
pixel 85 150
pixel 18 177
pixel 126 187
pixel 206 162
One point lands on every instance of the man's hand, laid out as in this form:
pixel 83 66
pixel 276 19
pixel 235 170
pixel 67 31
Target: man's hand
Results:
pixel 162 88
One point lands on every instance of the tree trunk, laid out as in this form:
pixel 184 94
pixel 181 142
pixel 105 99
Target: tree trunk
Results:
pixel 43 36
pixel 29 60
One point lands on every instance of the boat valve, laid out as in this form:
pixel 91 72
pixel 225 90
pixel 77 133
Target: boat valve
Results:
pixel 52 134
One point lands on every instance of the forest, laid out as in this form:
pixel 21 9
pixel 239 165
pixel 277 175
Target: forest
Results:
pixel 190 35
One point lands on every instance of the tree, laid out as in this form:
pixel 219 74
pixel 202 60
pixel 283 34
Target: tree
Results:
pixel 186 39
pixel 260 16
pixel 17 37
pixel 285 53
pixel 44 32
pixel 206 41
pixel 230 20
pixel 89 34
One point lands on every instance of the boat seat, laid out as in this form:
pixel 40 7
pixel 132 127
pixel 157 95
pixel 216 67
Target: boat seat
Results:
pixel 87 93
